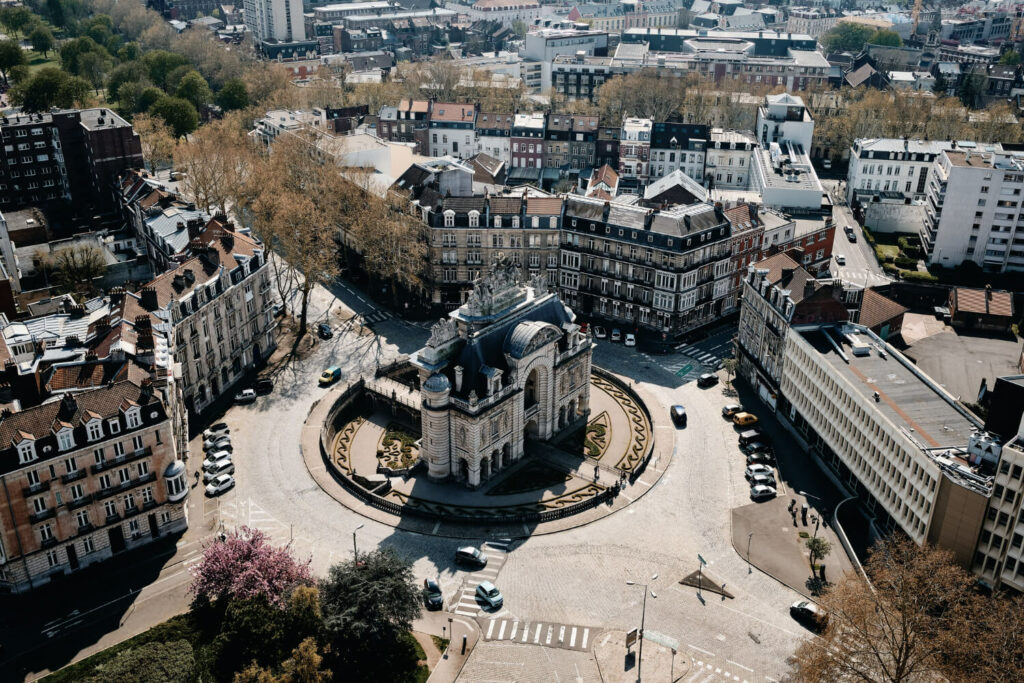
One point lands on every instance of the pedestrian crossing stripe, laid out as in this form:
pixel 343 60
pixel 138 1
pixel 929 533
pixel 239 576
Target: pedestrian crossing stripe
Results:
pixel 551 635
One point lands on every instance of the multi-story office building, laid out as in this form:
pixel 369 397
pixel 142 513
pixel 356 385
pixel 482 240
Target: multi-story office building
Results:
pixel 528 140
pixel 68 156
pixel 635 150
pixel 452 130
pixel 217 305
pixel 662 272
pixel 729 157
pixel 86 477
pixel 973 210
pixel 494 135
pixel 543 43
pixel 275 21
pixel 678 146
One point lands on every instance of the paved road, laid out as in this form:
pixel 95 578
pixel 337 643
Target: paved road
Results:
pixel 861 267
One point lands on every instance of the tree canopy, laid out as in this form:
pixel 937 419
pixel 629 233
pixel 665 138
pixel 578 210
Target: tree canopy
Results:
pixel 177 113
pixel 846 37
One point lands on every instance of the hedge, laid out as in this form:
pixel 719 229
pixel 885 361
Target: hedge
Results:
pixel 918 276
pixel 908 263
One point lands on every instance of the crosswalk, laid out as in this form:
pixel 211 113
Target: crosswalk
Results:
pixel 365 320
pixel 708 668
pixel 466 604
pixel 565 636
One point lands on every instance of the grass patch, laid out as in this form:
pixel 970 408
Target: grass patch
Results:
pixel 400 450
pixel 440 643
pixel 886 252
pixel 804 534
pixel 36 60
pixel 532 476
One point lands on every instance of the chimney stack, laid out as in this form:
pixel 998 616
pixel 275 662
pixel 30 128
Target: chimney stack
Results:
pixel 148 298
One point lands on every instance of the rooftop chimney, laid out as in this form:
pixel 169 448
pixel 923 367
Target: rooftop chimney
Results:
pixel 148 298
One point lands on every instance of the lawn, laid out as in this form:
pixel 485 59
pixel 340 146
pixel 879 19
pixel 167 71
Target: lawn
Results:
pixel 36 60
pixel 887 251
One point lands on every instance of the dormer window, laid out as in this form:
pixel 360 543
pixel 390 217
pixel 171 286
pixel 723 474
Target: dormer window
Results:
pixel 65 439
pixel 94 430
pixel 449 219
pixel 133 418
pixel 515 221
pixel 114 426
pixel 27 451
pixel 474 219
pixel 497 221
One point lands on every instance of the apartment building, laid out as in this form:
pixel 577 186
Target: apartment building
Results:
pixel 411 123
pixel 812 21
pixel 606 152
pixel 569 142
pixel 982 221
pixel 336 12
pixel 635 150
pixel 86 477
pixel 452 130
pixel 551 39
pixel 784 118
pixel 494 135
pixel 678 146
pixel 663 272
pixel 619 17
pixel 528 140
pixel 583 142
pixel 217 307
pixel 275 21
pixel 728 160
pixel 556 141
pixel 68 156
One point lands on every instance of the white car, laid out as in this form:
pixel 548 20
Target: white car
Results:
pixel 245 396
pixel 214 459
pixel 490 594
pixel 221 467
pixel 757 469
pixel 217 443
pixel 630 339
pixel 219 485
pixel 762 480
pixel 840 259
pixel 761 492
pixel 216 431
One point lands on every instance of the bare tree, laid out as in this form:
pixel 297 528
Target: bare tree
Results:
pixel 157 140
pixel 76 268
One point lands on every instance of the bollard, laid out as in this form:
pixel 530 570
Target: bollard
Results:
pixel 463 644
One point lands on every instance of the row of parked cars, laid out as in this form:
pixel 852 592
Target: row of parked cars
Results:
pixel 600 333
pixel 218 466
pixel 756 447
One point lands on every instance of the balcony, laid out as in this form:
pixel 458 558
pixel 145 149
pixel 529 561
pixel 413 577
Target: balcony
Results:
pixel 121 459
pixel 85 528
pixel 113 518
pixel 36 488
pixel 114 490
pixel 79 502
pixel 41 515
pixel 73 476
pixel 48 542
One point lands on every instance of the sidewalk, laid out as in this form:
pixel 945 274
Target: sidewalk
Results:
pixel 618 666
pixel 451 662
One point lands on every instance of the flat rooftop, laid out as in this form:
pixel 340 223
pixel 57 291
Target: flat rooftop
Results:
pixel 906 399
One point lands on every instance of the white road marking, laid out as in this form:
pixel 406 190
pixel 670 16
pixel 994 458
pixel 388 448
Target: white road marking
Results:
pixel 515 628
pixel 694 647
pixel 572 637
pixel 526 632
pixel 586 635
pixel 551 630
pixel 490 629
pixel 501 631
pixel 740 665
pixel 536 636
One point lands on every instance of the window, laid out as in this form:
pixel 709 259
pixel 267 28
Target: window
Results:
pixel 46 533
pixel 76 492
pixel 133 526
pixel 114 425
pixel 94 430
pixel 124 475
pixel 143 468
pixel 83 518
pixel 137 443
pixel 118 449
pixel 51 559
pixel 87 546
pixel 39 504
pixel 110 508
pixel 70 465
pixel 26 451
pixel 147 495
pixel 65 439
pixel 104 481
pixel 33 477
pixel 474 219
pixel 129 502
pixel 134 418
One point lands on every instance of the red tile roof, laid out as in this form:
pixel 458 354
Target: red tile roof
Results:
pixel 967 300
pixel 876 309
pixel 455 113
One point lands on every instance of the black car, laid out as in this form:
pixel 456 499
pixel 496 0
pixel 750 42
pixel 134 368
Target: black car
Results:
pixel 432 597
pixel 707 380
pixel 324 331
pixel 264 385
pixel 678 414
pixel 755 447
pixel 810 615
pixel 471 556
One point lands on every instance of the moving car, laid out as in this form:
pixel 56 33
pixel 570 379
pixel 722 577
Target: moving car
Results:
pixel 630 339
pixel 216 430
pixel 744 419
pixel 324 331
pixel 219 467
pixel 214 459
pixel 762 480
pixel 219 485
pixel 840 259
pixel 809 614
pixel 215 443
pixel 757 469
pixel 761 492
pixel 850 234
pixel 707 380
pixel 616 334
pixel 471 556
pixel 678 414
pixel 731 409
pixel 245 396
pixel 330 375
pixel 432 597
pixel 761 456
pixel 599 332
pixel 490 594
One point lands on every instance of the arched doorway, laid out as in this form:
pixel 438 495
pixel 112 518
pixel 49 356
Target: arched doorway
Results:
pixel 463 469
pixel 530 389
pixel 506 455
pixel 572 411
pixel 532 431
pixel 485 468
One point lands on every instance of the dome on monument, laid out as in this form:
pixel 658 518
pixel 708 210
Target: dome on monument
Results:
pixel 528 336
pixel 437 383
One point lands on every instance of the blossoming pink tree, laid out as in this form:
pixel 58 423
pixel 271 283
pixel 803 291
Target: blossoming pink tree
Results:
pixel 245 566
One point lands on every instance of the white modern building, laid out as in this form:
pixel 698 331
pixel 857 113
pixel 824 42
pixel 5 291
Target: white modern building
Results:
pixel 973 210
pixel 542 44
pixel 275 20
pixel 784 118
pixel 729 157
pixel 785 178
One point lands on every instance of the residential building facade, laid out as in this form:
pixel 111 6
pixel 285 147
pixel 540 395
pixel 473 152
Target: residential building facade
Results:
pixel 528 140
pixel 452 130
pixel 729 157
pixel 678 146
pixel 494 135
pixel 635 149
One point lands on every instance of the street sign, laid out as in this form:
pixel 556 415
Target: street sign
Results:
pixel 632 636
pixel 702 560
pixel 681 372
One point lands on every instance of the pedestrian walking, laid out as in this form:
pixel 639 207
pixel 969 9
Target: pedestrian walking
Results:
pixel 597 473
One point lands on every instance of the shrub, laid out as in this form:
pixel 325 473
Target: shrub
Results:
pixel 869 236
pixel 918 276
pixel 912 252
pixel 890 268
pixel 908 263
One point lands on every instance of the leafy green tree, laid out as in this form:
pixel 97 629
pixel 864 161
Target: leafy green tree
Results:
pixel 72 51
pixel 50 87
pixel 154 661
pixel 149 96
pixel 941 85
pixel 846 37
pixel 818 548
pixel 177 113
pixel 94 67
pixel 55 11
pixel 160 63
pixel 234 95
pixel 886 38
pixel 14 19
pixel 194 88
pixel 1010 58
pixel 11 55
pixel 175 75
pixel 126 72
pixel 41 39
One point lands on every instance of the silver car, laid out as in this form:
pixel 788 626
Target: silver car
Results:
pixel 761 492
pixel 490 594
pixel 757 469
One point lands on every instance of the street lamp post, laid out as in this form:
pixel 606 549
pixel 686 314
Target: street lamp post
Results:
pixel 749 536
pixel 643 619
pixel 355 550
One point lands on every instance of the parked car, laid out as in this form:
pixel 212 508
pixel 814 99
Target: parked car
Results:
pixel 264 385
pixel 324 331
pixel 471 556
pixel 731 409
pixel 214 459
pixel 751 435
pixel 214 443
pixel 216 430
pixel 840 259
pixel 809 614
pixel 218 468
pixel 630 339
pixel 761 492
pixel 755 447
pixel 761 456
pixel 220 485
pixel 490 594
pixel 433 599
pixel 616 334
pixel 707 380
pixel 757 469
pixel 850 234
pixel 600 332
pixel 762 480
pixel 245 396
pixel 744 419
pixel 678 414
pixel 330 375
